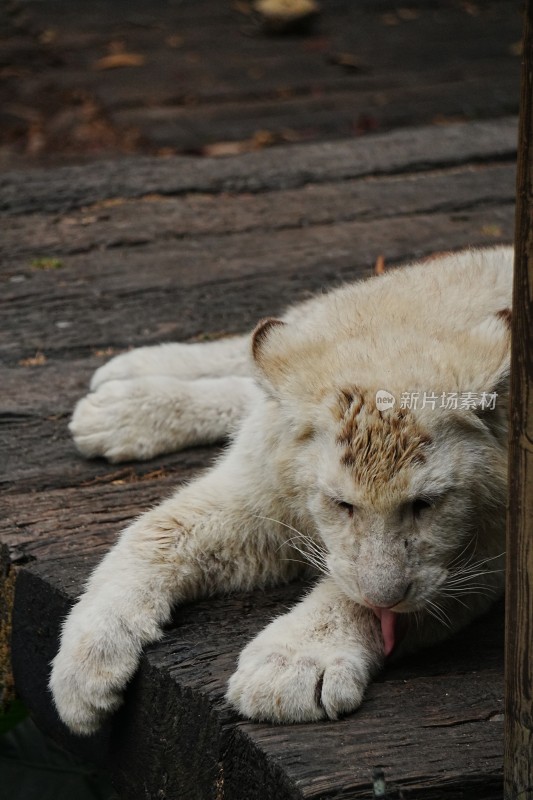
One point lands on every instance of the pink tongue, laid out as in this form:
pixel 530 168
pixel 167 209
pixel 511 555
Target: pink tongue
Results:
pixel 389 632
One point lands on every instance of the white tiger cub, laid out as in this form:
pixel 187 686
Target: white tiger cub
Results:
pixel 398 507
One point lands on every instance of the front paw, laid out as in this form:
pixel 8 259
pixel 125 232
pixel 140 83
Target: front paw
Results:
pixel 89 675
pixel 127 420
pixel 107 422
pixel 282 682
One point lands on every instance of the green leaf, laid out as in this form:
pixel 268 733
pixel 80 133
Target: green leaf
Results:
pixel 47 263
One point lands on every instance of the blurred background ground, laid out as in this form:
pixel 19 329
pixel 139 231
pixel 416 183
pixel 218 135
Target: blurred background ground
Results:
pixel 96 78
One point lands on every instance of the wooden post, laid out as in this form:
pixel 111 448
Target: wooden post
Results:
pixel 519 588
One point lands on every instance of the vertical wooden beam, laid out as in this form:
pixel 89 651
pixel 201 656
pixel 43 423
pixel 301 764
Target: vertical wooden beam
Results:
pixel 519 589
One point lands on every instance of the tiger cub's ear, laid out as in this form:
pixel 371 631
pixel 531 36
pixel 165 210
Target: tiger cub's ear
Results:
pixel 260 335
pixel 267 351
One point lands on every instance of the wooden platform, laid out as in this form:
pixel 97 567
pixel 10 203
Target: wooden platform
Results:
pixel 99 258
pixel 95 78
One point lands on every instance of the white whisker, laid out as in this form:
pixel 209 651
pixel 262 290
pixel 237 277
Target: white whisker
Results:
pixel 457 558
pixel 468 580
pixel 458 600
pixel 438 613
pixel 311 551
pixel 470 577
pixel 475 589
pixel 469 565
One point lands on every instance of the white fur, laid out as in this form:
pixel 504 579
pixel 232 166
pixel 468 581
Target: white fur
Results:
pixel 141 417
pixel 314 476
pixel 310 664
pixel 214 359
pixel 156 400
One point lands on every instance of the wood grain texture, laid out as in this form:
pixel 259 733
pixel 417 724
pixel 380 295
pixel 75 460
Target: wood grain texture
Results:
pixel 214 246
pixel 397 152
pixel 519 579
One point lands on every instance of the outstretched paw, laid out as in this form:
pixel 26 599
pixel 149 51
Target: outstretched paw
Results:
pixel 140 418
pixel 89 675
pixel 278 682
pixel 135 419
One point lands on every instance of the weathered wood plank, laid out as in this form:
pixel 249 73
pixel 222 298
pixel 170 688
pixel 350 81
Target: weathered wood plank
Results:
pixel 335 114
pixel 104 226
pixel 443 41
pixel 396 152
pixel 47 528
pixel 200 300
pixel 194 243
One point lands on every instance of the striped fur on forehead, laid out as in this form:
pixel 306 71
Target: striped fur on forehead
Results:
pixel 377 445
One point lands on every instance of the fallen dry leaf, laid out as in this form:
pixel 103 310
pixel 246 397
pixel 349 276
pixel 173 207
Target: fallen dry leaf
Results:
pixel 132 477
pixel 106 352
pixel 242 7
pixel 217 149
pixel 14 72
pixel 492 230
pixel 408 14
pixel 258 141
pixel 255 73
pixel 390 19
pixel 110 202
pixel 471 9
pixel 262 139
pixel 379 267
pixel 88 220
pixel 174 40
pixel 48 36
pixel 116 60
pixel 34 361
pixel 349 61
